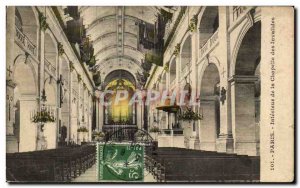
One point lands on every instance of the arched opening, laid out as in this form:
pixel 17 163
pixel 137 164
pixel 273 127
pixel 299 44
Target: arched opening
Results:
pixel 186 54
pixel 50 53
pixel 163 81
pixel 247 93
pixel 26 23
pixel 23 103
pixel 121 112
pixel 209 24
pixel 210 108
pixel 172 71
pixel 64 127
pixel 74 108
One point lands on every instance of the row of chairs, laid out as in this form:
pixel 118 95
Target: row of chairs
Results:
pixel 178 164
pixel 55 165
pixel 155 168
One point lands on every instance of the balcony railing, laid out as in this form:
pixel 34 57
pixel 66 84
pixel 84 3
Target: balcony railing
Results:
pixel 50 67
pixel 210 43
pixel 172 132
pixel 186 69
pixel 74 92
pixel 238 11
pixel 23 40
pixel 173 82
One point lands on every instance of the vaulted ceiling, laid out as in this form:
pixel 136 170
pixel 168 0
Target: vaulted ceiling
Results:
pixel 114 32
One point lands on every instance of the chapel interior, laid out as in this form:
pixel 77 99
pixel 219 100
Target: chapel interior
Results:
pixel 62 59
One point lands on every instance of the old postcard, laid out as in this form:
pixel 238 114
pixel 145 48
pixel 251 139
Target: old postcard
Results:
pixel 149 94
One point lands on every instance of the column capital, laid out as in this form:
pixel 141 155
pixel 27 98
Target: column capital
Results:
pixel 60 48
pixel 11 83
pixel 43 23
pixel 176 50
pixel 193 23
pixel 71 66
pixel 243 79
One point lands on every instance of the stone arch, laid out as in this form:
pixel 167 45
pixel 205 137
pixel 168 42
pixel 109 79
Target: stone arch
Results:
pixel 172 70
pixel 24 101
pixel 163 81
pixel 29 16
pixel 209 106
pixel 51 51
pixel 65 69
pixel 116 73
pixel 24 75
pixel 246 88
pixel 208 24
pixel 121 112
pixel 250 22
pixel 186 53
pixel 105 69
pixel 210 60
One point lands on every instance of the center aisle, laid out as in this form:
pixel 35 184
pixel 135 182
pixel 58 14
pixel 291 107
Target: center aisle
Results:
pixel 91 176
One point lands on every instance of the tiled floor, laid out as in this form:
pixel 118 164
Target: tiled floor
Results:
pixel 91 176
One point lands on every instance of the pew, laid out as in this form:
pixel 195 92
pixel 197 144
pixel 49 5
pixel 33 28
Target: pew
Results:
pixel 180 164
pixel 52 165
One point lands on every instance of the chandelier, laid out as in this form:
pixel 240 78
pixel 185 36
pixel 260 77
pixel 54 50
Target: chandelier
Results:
pixel 43 115
pixel 187 113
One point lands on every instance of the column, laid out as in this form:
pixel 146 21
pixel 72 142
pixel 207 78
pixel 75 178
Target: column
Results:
pixel 139 114
pixel 10 85
pixel 195 141
pixel 99 111
pixel 58 101
pixel 90 115
pixel 28 129
pixel 10 37
pixel 70 125
pixel 243 114
pixel 209 123
pixel 225 140
pixel 100 115
pixel 10 115
pixel 79 112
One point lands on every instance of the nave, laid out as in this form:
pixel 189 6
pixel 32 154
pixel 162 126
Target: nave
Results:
pixel 189 77
pixel 161 165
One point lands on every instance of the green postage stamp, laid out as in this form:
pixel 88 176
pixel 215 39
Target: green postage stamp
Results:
pixel 120 162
